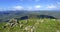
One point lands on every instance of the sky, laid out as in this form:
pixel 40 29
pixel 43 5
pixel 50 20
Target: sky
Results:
pixel 29 5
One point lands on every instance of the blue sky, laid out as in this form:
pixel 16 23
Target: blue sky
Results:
pixel 29 4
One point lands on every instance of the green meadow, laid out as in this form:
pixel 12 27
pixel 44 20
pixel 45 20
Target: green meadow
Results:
pixel 33 25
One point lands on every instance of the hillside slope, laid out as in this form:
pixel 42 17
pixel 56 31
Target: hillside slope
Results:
pixel 32 25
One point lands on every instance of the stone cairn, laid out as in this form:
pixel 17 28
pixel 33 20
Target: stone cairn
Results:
pixel 11 23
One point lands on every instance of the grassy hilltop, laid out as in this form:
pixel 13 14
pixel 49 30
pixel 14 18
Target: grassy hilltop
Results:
pixel 24 21
pixel 32 25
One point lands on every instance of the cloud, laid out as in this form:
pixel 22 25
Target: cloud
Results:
pixel 30 8
pixel 58 3
pixel 3 9
pixel 17 7
pixel 51 6
pixel 37 7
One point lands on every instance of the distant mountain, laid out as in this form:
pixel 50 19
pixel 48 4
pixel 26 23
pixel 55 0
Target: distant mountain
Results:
pixel 6 15
pixel 46 16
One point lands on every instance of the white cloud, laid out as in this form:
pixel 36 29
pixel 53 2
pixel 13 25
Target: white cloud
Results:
pixel 51 6
pixel 17 7
pixel 37 7
pixel 30 8
pixel 58 3
pixel 3 9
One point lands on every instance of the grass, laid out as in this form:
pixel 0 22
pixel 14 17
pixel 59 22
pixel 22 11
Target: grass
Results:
pixel 40 25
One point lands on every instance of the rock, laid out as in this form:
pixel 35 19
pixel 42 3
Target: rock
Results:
pixel 11 23
pixel 21 25
pixel 29 29
pixel 58 30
